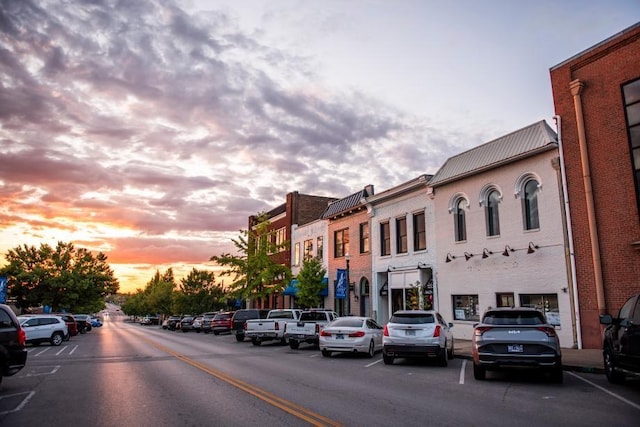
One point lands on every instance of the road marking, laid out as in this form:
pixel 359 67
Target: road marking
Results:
pixel 61 350
pixel 617 396
pixel 283 404
pixel 373 363
pixel 462 369
pixel 73 349
pixel 21 405
pixel 46 349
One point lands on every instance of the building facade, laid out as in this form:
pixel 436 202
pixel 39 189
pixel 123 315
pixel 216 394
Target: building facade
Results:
pixel 596 96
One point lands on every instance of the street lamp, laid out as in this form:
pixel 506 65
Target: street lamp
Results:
pixel 347 257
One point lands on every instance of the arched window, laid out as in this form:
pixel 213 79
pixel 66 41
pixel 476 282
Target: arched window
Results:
pixel 459 220
pixel 491 213
pixel 530 205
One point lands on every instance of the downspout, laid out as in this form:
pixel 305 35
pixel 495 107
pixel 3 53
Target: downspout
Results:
pixel 577 330
pixel 576 90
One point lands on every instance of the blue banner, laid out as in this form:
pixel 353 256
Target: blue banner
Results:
pixel 341 284
pixel 3 290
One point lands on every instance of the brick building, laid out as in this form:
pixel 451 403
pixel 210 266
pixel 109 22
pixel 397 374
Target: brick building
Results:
pixel 597 102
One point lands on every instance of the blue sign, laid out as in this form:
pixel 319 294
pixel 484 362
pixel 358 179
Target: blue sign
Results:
pixel 3 290
pixel 341 284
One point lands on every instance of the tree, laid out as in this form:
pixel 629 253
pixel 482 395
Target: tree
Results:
pixel 310 283
pixel 198 293
pixel 155 298
pixel 66 278
pixel 254 273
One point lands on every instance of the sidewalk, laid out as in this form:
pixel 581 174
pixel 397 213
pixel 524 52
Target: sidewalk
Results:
pixel 572 359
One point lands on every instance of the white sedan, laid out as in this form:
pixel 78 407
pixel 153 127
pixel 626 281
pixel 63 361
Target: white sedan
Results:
pixel 351 334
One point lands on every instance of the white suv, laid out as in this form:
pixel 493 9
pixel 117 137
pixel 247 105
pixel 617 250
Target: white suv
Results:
pixel 41 328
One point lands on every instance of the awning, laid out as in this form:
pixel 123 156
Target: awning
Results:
pixel 292 289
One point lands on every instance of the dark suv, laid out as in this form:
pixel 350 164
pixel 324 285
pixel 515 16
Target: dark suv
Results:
pixel 13 354
pixel 241 316
pixel 621 346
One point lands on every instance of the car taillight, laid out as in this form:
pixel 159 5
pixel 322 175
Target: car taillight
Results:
pixel 356 334
pixel 230 323
pixel 551 332
pixel 385 331
pixel 22 337
pixel 480 330
pixel 325 333
pixel 436 332
pixel 244 326
pixel 317 328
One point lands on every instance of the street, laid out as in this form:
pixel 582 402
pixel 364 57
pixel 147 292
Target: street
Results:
pixel 125 374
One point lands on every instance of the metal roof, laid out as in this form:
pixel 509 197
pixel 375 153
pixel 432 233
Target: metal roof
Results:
pixel 346 204
pixel 522 143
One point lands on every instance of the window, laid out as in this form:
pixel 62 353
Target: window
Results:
pixel 364 237
pixel 320 247
pixel 281 237
pixel 491 213
pixel 459 220
pixel 505 300
pixel 419 232
pixel 466 307
pixel 401 235
pixel 308 249
pixel 631 94
pixel 341 243
pixel 547 303
pixel 296 254
pixel 530 205
pixel 385 239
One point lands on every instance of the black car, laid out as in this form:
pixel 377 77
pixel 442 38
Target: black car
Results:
pixel 241 316
pixel 171 323
pixel 13 354
pixel 621 346
pixel 206 321
pixel 84 322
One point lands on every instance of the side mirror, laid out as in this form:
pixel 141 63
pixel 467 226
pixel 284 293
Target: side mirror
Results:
pixel 606 319
pixel 451 325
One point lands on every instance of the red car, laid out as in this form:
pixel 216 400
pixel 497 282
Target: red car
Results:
pixel 72 325
pixel 222 322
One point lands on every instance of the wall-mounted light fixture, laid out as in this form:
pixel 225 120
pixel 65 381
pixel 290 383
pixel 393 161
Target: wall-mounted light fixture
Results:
pixel 532 248
pixel 486 252
pixel 507 249
pixel 467 255
pixel 449 258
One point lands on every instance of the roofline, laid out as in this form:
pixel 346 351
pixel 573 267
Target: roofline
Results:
pixel 399 190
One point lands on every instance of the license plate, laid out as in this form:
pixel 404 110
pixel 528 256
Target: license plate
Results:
pixel 515 348
pixel 410 333
pixel 339 336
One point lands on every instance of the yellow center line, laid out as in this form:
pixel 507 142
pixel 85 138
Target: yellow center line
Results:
pixel 285 405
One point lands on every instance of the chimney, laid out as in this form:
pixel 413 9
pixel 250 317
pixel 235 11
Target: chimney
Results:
pixel 369 189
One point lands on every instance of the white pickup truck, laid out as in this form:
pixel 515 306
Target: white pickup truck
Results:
pixel 308 328
pixel 273 327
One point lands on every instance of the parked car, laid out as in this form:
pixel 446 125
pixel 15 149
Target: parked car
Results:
pixel 272 328
pixel 95 322
pixel 171 323
pixel 197 324
pixel 308 327
pixel 417 334
pixel 221 322
pixel 351 334
pixel 516 337
pixel 145 321
pixel 72 325
pixel 41 328
pixel 241 316
pixel 13 354
pixel 206 321
pixel 185 324
pixel 84 322
pixel 621 342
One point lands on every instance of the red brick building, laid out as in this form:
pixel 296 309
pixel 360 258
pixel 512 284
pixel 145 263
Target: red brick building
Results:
pixel 597 100
pixel 298 209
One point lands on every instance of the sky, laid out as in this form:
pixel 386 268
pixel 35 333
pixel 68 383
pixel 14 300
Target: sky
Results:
pixel 151 130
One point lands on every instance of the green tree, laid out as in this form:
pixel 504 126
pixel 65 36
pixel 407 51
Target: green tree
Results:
pixel 63 278
pixel 310 283
pixel 155 298
pixel 198 293
pixel 254 273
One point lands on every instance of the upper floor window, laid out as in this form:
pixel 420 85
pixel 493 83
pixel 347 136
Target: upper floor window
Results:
pixel 364 237
pixel 530 205
pixel 341 243
pixel 385 239
pixel 320 247
pixel 419 232
pixel 631 94
pixel 296 254
pixel 401 235
pixel 491 213
pixel 308 249
pixel 460 219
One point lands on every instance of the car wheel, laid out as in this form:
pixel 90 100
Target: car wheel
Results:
pixel 217 333
pixel 479 372
pixel 442 356
pixel 388 360
pixel 57 338
pixel 450 353
pixel 255 341
pixel 371 351
pixel 326 353
pixel 613 376
pixel 68 336
pixel 83 331
pixel 239 337
pixel 88 328
pixel 557 375
pixel 294 344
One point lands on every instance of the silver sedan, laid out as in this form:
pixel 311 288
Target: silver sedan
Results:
pixel 351 334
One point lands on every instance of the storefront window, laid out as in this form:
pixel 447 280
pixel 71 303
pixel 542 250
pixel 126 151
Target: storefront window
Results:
pixel 547 303
pixel 466 307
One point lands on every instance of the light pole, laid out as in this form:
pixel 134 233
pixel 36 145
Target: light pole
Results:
pixel 348 308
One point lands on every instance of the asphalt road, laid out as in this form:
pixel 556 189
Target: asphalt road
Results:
pixel 124 374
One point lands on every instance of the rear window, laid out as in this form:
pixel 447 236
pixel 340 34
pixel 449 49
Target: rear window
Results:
pixel 347 322
pixel 313 316
pixel 225 316
pixel 281 315
pixel 412 318
pixel 514 318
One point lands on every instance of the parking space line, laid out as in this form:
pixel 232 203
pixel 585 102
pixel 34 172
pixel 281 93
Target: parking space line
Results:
pixel 462 369
pixel 61 350
pixel 373 363
pixel 617 396
pixel 45 350
pixel 21 405
pixel 73 349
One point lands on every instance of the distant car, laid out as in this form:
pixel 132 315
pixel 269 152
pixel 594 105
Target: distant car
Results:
pixel 72 325
pixel 206 321
pixel 95 322
pixel 41 328
pixel 171 323
pixel 417 334
pixel 221 323
pixel 621 343
pixel 185 324
pixel 351 334
pixel 84 322
pixel 197 324
pixel 145 321
pixel 13 354
pixel 516 337
pixel 241 316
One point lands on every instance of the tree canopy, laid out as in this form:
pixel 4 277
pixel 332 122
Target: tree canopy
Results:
pixel 64 278
pixel 310 283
